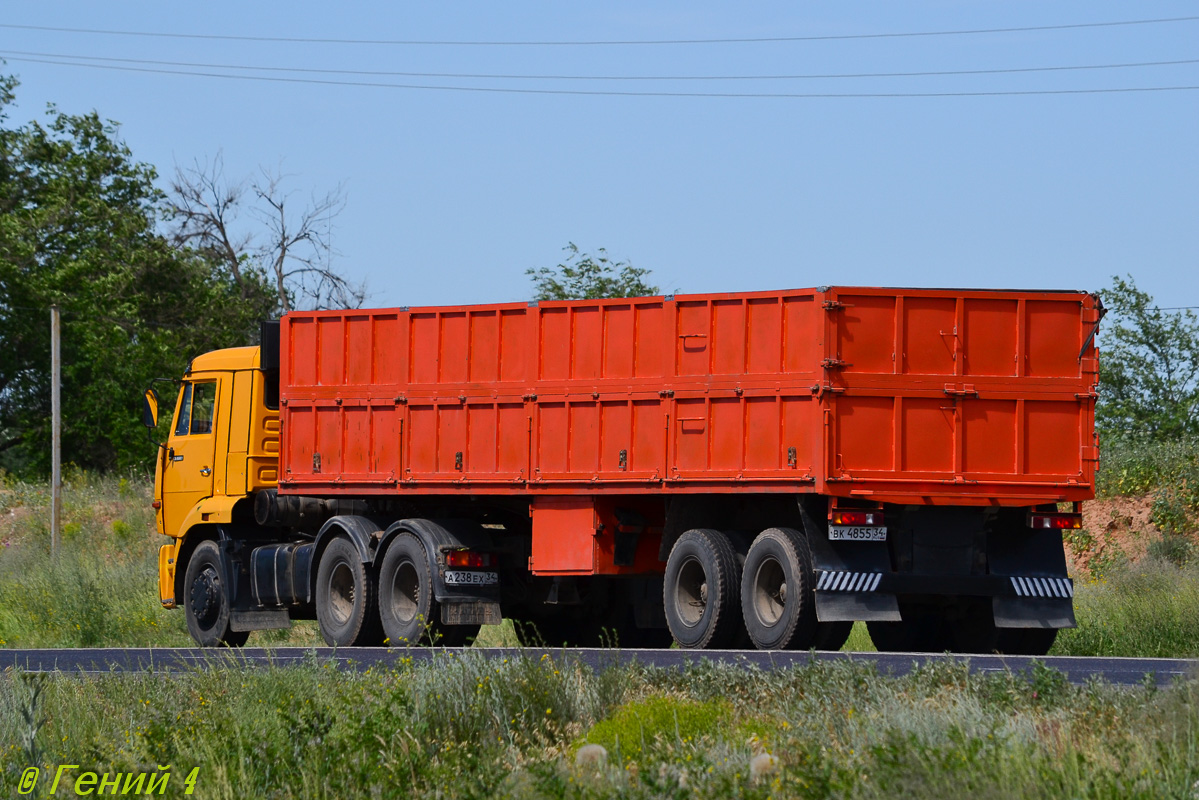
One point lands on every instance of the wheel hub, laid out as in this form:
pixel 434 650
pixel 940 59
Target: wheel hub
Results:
pixel 691 593
pixel 770 592
pixel 206 597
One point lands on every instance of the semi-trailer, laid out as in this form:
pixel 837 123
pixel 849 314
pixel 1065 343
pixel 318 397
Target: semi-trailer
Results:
pixel 725 470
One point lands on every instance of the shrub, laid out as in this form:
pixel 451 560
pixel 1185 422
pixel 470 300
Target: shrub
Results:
pixel 645 726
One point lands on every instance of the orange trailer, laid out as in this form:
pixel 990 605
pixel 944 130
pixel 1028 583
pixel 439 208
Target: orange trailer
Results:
pixel 757 467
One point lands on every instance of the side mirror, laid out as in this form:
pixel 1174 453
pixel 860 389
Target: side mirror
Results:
pixel 150 409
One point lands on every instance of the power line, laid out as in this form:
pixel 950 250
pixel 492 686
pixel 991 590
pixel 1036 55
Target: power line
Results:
pixel 591 43
pixel 500 76
pixel 610 93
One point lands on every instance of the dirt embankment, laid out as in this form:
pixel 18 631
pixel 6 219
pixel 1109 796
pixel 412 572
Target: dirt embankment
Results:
pixel 1114 528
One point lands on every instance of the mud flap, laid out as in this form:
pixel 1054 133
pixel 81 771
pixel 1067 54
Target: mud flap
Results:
pixel 844 593
pixel 1033 612
pixel 470 612
pixel 1030 554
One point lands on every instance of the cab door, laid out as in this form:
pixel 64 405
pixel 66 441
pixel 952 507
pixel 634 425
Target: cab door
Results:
pixel 191 449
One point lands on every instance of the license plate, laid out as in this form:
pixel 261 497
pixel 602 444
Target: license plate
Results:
pixel 462 577
pixel 856 533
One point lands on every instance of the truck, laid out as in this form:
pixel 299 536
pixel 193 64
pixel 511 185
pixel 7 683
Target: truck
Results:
pixel 755 469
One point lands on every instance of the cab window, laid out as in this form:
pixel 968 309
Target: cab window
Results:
pixel 185 410
pixel 203 404
pixel 196 409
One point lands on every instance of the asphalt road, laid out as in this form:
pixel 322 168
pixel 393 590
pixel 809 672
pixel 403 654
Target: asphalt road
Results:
pixel 1123 671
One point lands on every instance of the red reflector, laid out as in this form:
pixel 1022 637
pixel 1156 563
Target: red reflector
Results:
pixel 157 504
pixel 857 518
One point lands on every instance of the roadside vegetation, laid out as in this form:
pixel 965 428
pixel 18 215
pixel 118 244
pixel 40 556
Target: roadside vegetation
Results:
pixel 469 726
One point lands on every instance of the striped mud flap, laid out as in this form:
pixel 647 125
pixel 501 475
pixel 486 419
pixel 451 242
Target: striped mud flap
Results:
pixel 848 581
pixel 1018 601
pixel 849 595
pixel 1039 593
pixel 1036 602
pixel 848 576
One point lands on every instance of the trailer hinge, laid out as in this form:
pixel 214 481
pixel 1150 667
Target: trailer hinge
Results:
pixel 666 393
pixel 401 400
pixel 1091 395
pixel 835 363
pixel 833 305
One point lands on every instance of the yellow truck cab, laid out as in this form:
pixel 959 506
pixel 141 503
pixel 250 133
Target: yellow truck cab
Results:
pixel 223 446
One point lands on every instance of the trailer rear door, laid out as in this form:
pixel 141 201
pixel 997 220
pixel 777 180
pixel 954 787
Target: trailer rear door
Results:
pixel 990 393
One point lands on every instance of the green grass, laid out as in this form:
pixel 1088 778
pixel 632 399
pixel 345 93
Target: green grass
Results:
pixel 1147 609
pixel 467 726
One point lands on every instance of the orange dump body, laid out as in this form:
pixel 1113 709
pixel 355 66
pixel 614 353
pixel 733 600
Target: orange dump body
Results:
pixel 933 396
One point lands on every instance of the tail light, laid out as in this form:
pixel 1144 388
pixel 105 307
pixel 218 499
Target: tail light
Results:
pixel 467 558
pixel 157 504
pixel 1055 522
pixel 856 517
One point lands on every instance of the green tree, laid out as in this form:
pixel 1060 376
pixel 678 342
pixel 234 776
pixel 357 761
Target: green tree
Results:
pixel 585 277
pixel 1149 366
pixel 79 222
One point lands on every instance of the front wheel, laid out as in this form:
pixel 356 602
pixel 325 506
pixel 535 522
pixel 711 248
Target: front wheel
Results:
pixel 700 591
pixel 206 600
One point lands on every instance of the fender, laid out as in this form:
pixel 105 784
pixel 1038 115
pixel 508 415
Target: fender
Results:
pixel 438 536
pixel 361 531
pixel 214 510
pixel 229 543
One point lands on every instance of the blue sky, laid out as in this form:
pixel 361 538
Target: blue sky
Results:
pixel 452 195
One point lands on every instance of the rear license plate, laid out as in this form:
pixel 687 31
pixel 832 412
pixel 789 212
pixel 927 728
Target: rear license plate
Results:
pixel 462 577
pixel 856 533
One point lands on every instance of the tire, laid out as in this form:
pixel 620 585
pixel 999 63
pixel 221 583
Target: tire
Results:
pixel 973 630
pixel 777 600
pixel 1025 641
pixel 832 635
pixel 346 607
pixel 206 600
pixel 409 612
pixel 921 631
pixel 700 591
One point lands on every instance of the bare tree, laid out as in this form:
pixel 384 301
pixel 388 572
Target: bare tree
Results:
pixel 252 227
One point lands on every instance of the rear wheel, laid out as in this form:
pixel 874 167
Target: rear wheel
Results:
pixel 1025 641
pixel 700 590
pixel 832 635
pixel 346 607
pixel 921 631
pixel 206 600
pixel 409 612
pixel 777 600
